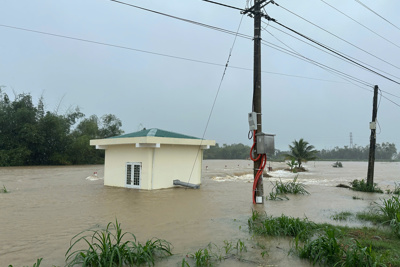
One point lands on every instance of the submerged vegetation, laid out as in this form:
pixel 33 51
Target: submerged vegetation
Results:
pixel 112 247
pixel 280 188
pixel 322 244
pixel 330 245
pixel 4 190
pixel 361 185
pixel 37 264
pixel 212 254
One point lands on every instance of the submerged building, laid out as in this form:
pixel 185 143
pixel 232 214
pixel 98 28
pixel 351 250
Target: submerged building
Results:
pixel 152 159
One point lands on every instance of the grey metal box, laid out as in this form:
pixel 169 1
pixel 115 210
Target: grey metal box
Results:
pixel 265 143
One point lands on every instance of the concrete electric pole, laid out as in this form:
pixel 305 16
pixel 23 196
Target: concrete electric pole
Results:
pixel 372 143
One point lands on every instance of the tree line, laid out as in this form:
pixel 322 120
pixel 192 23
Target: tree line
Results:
pixel 30 135
pixel 384 151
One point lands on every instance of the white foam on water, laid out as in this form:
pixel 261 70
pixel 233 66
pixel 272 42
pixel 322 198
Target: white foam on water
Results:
pixel 93 178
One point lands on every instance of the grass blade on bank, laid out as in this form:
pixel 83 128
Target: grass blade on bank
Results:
pixel 108 248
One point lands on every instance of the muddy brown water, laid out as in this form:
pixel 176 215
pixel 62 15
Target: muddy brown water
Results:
pixel 47 206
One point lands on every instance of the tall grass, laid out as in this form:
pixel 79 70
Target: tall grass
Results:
pixel 280 188
pixel 324 250
pixel 212 254
pixel 112 247
pixel 4 190
pixel 361 185
pixel 37 264
pixel 280 226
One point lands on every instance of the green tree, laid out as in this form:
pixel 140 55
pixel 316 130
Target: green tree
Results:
pixel 301 151
pixel 29 135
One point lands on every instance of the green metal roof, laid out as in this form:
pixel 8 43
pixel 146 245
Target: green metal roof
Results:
pixel 156 133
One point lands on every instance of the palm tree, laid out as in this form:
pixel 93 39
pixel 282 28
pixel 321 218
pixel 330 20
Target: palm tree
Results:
pixel 301 151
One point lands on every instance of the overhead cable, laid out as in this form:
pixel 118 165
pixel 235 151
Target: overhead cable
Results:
pixel 158 54
pixel 318 65
pixel 322 50
pixel 333 51
pixel 186 20
pixel 221 4
pixel 362 25
pixel 338 37
pixel 370 9
pixel 330 69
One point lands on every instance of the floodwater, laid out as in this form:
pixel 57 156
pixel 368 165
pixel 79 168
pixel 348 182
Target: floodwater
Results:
pixel 47 206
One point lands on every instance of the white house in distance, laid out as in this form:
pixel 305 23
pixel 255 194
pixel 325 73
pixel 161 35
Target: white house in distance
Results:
pixel 152 159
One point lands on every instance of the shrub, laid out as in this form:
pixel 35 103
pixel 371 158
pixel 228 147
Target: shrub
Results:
pixel 362 186
pixel 106 248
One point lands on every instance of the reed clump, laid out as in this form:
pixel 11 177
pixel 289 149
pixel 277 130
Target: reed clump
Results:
pixel 362 186
pixel 4 190
pixel 329 245
pixel 37 264
pixel 280 189
pixel 112 247
pixel 212 254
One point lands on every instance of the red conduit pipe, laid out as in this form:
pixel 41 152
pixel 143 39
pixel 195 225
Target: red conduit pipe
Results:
pixel 258 175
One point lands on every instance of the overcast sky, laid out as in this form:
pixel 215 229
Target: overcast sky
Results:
pixel 299 99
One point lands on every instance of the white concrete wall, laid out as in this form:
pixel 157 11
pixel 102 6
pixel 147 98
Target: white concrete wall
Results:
pixel 171 162
pixel 115 164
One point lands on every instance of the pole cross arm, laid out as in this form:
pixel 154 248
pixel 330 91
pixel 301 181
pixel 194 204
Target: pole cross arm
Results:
pixel 251 9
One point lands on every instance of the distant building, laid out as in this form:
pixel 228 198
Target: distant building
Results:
pixel 152 159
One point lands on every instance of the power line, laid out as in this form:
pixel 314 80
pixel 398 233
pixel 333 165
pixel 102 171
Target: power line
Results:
pixel 186 20
pixel 333 51
pixel 359 23
pixel 349 43
pixel 158 54
pixel 397 104
pixel 216 96
pixel 318 65
pixel 328 52
pixel 389 93
pixel 330 69
pixel 370 9
pixel 217 3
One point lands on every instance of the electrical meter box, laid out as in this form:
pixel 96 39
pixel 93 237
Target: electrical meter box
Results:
pixel 252 121
pixel 372 125
pixel 265 143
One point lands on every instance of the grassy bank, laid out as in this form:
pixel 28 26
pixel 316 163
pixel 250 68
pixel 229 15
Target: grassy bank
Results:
pixel 330 245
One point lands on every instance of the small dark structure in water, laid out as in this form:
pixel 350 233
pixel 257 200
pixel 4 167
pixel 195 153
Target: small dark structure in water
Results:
pixel 337 164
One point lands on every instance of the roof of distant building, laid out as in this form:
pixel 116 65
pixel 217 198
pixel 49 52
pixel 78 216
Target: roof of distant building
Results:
pixel 156 133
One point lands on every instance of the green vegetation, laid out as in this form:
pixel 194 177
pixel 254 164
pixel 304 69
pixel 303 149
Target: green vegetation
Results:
pixel 341 216
pixel 293 187
pixel 395 191
pixel 301 151
pixel 37 264
pixel 384 151
pixel 292 164
pixel 234 151
pixel 361 185
pixel 280 226
pixel 212 254
pixel 30 135
pixel 330 245
pixel 109 248
pixel 4 190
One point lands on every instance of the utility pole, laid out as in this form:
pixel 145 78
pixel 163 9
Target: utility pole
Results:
pixel 372 143
pixel 351 140
pixel 257 88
